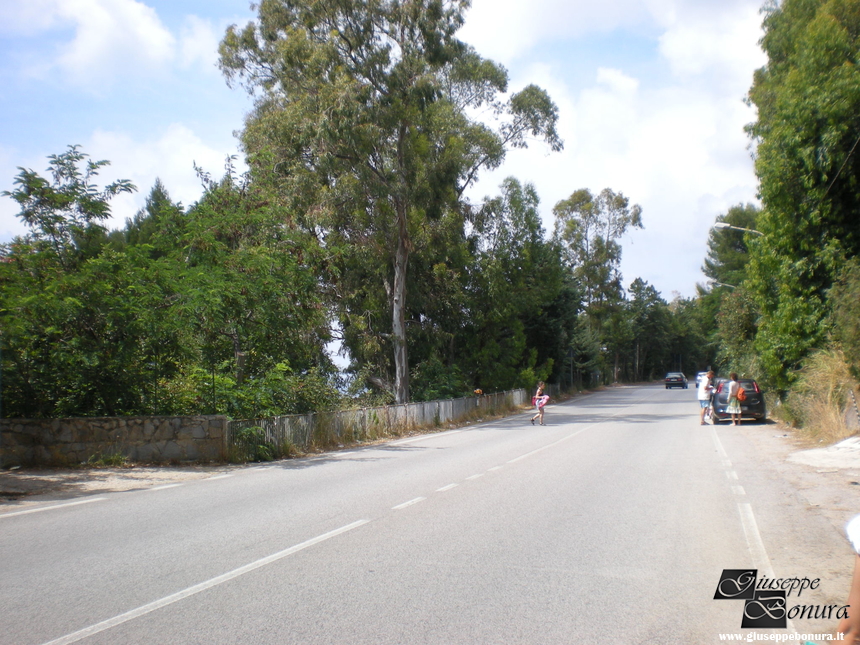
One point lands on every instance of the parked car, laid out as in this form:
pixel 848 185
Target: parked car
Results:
pixel 676 379
pixel 753 408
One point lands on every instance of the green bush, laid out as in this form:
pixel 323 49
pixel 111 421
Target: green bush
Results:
pixel 253 445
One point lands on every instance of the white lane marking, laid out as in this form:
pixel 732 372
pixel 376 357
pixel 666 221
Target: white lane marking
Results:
pixel 550 445
pixel 346 454
pixel 203 586
pixel 755 544
pixel 51 508
pixel 209 479
pixel 731 474
pixel 445 488
pixel 719 446
pixel 739 490
pixel 423 437
pixel 754 541
pixel 409 503
pixel 473 477
pixel 165 487
pixel 489 470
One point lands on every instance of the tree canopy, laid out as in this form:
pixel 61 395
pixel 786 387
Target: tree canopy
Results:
pixel 362 127
pixel 806 135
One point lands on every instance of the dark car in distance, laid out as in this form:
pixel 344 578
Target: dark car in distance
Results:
pixel 753 408
pixel 676 379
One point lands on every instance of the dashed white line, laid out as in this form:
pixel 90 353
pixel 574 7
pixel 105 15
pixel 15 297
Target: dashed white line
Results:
pixel 555 443
pixel 755 544
pixel 474 477
pixel 51 508
pixel 446 488
pixel 209 479
pixel 739 490
pixel 494 468
pixel 203 586
pixel 731 474
pixel 409 503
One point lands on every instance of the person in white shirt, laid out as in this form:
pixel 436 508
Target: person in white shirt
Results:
pixel 706 386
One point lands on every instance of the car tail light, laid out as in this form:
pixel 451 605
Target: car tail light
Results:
pixel 755 385
pixel 719 388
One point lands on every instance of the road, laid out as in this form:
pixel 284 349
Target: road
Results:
pixel 613 522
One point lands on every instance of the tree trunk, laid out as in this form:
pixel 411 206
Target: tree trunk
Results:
pixel 398 308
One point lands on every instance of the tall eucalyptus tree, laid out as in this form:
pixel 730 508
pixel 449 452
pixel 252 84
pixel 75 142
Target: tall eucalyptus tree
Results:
pixel 364 126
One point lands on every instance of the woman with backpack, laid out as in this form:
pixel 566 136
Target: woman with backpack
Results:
pixel 734 407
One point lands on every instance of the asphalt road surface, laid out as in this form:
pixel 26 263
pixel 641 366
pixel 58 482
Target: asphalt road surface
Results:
pixel 612 523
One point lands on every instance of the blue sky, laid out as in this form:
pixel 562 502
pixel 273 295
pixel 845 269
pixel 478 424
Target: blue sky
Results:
pixel 650 94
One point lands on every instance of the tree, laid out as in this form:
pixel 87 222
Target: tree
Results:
pixel 728 253
pixel 806 136
pixel 844 304
pixel 64 213
pixel 590 227
pixel 362 124
pixel 520 310
pixel 652 331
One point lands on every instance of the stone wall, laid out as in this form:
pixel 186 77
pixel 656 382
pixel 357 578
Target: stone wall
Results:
pixel 28 442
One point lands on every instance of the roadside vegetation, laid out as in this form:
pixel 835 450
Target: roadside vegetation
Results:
pixel 351 229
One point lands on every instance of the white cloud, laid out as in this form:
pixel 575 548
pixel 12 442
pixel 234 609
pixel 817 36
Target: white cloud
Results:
pixel 27 17
pixel 198 44
pixel 503 30
pixel 720 44
pixel 170 157
pixel 112 37
pixel 673 143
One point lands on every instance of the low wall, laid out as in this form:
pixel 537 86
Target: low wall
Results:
pixel 326 428
pixel 58 442
pixel 29 442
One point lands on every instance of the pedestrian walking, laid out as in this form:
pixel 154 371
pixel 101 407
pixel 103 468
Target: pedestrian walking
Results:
pixel 734 407
pixel 706 387
pixel 539 400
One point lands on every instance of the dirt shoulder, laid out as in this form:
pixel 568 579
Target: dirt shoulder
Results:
pixel 22 486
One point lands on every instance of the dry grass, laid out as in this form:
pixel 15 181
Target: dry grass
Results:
pixel 817 403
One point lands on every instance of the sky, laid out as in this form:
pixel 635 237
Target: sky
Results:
pixel 650 96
